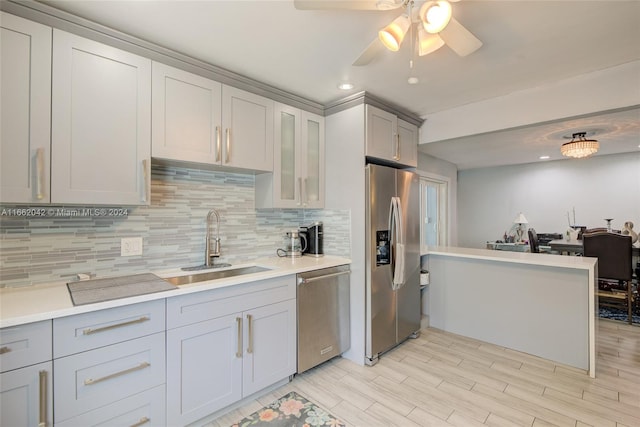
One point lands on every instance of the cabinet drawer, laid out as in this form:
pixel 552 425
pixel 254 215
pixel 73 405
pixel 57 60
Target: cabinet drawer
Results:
pixel 197 307
pixel 141 410
pixel 25 345
pixel 90 380
pixel 87 331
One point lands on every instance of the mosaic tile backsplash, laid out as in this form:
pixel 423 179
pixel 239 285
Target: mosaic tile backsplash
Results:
pixel 44 250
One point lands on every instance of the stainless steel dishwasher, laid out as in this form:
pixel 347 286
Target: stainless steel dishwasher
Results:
pixel 323 315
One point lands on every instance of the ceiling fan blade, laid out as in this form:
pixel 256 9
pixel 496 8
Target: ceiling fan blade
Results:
pixel 347 4
pixel 370 53
pixel 459 39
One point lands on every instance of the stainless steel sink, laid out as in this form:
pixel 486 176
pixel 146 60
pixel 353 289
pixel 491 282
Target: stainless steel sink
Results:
pixel 213 275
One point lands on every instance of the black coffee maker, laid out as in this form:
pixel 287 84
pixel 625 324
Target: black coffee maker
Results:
pixel 314 236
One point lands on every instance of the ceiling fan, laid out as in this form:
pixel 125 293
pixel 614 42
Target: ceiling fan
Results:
pixel 433 23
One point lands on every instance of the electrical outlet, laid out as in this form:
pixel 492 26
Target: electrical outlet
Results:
pixel 131 246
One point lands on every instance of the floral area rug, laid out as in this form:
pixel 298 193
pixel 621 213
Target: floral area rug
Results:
pixel 291 410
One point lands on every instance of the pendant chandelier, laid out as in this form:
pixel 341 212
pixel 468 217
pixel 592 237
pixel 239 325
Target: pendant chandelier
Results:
pixel 579 146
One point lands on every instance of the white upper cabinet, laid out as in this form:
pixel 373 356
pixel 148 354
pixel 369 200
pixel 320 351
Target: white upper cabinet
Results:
pixel 298 163
pixel 186 116
pixel 407 143
pixel 25 144
pixel 390 139
pixel 101 123
pixel 199 120
pixel 247 121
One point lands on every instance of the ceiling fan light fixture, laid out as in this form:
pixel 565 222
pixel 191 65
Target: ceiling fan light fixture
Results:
pixel 580 147
pixel 392 35
pixel 428 43
pixel 435 15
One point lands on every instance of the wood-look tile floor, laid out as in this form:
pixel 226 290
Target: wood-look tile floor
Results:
pixel 442 379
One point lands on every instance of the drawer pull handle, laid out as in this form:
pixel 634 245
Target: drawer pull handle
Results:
pixel 43 399
pixel 142 421
pixel 141 366
pixel 239 349
pixel 90 331
pixel 4 350
pixel 250 344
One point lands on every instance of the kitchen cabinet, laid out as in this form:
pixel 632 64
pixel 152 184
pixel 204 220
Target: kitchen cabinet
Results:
pixel 299 166
pixel 25 113
pixel 101 123
pixel 389 138
pixel 110 365
pixel 198 120
pixel 225 344
pixel 26 397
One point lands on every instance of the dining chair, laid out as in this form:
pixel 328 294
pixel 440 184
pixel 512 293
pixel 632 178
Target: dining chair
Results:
pixel 533 241
pixel 613 251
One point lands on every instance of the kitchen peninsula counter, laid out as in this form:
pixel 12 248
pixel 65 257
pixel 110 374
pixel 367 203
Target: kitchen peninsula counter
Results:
pixel 49 301
pixel 539 304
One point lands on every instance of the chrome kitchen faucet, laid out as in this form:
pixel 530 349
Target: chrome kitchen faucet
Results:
pixel 209 253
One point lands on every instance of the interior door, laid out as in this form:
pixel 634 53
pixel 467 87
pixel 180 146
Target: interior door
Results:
pixel 380 297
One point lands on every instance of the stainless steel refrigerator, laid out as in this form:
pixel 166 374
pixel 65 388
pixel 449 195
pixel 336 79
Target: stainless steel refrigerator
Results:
pixel 393 258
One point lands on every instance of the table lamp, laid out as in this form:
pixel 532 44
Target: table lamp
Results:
pixel 520 220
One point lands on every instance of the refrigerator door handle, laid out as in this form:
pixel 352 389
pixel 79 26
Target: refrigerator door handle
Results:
pixel 396 242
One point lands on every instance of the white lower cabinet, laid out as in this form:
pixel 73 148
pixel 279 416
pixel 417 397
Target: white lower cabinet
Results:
pixel 269 334
pixel 26 398
pixel 203 373
pixel 226 344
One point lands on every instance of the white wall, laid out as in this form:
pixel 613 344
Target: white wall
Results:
pixel 345 190
pixel 599 187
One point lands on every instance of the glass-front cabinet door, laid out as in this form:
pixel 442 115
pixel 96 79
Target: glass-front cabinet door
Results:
pixel 298 169
pixel 286 182
pixel 313 160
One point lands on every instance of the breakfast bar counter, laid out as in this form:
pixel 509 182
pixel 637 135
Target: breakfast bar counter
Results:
pixel 540 304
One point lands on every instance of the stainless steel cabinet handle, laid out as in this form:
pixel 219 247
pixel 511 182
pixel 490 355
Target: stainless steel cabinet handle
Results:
pixel 302 280
pixel 90 331
pixel 142 421
pixel 305 197
pixel 42 422
pixel 299 191
pixel 228 154
pixel 91 381
pixel 239 349
pixel 145 180
pixel 218 143
pixel 5 349
pixel 40 179
pixel 250 325
pixel 396 156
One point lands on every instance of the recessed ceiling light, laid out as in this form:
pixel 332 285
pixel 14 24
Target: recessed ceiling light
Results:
pixel 345 86
pixel 544 157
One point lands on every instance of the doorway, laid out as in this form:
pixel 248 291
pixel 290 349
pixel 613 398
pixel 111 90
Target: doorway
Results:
pixel 434 202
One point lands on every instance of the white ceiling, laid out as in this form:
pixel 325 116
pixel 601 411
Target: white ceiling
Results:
pixel 526 44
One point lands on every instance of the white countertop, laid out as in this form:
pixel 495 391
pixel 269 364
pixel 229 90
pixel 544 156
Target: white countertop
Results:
pixel 42 302
pixel 549 260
